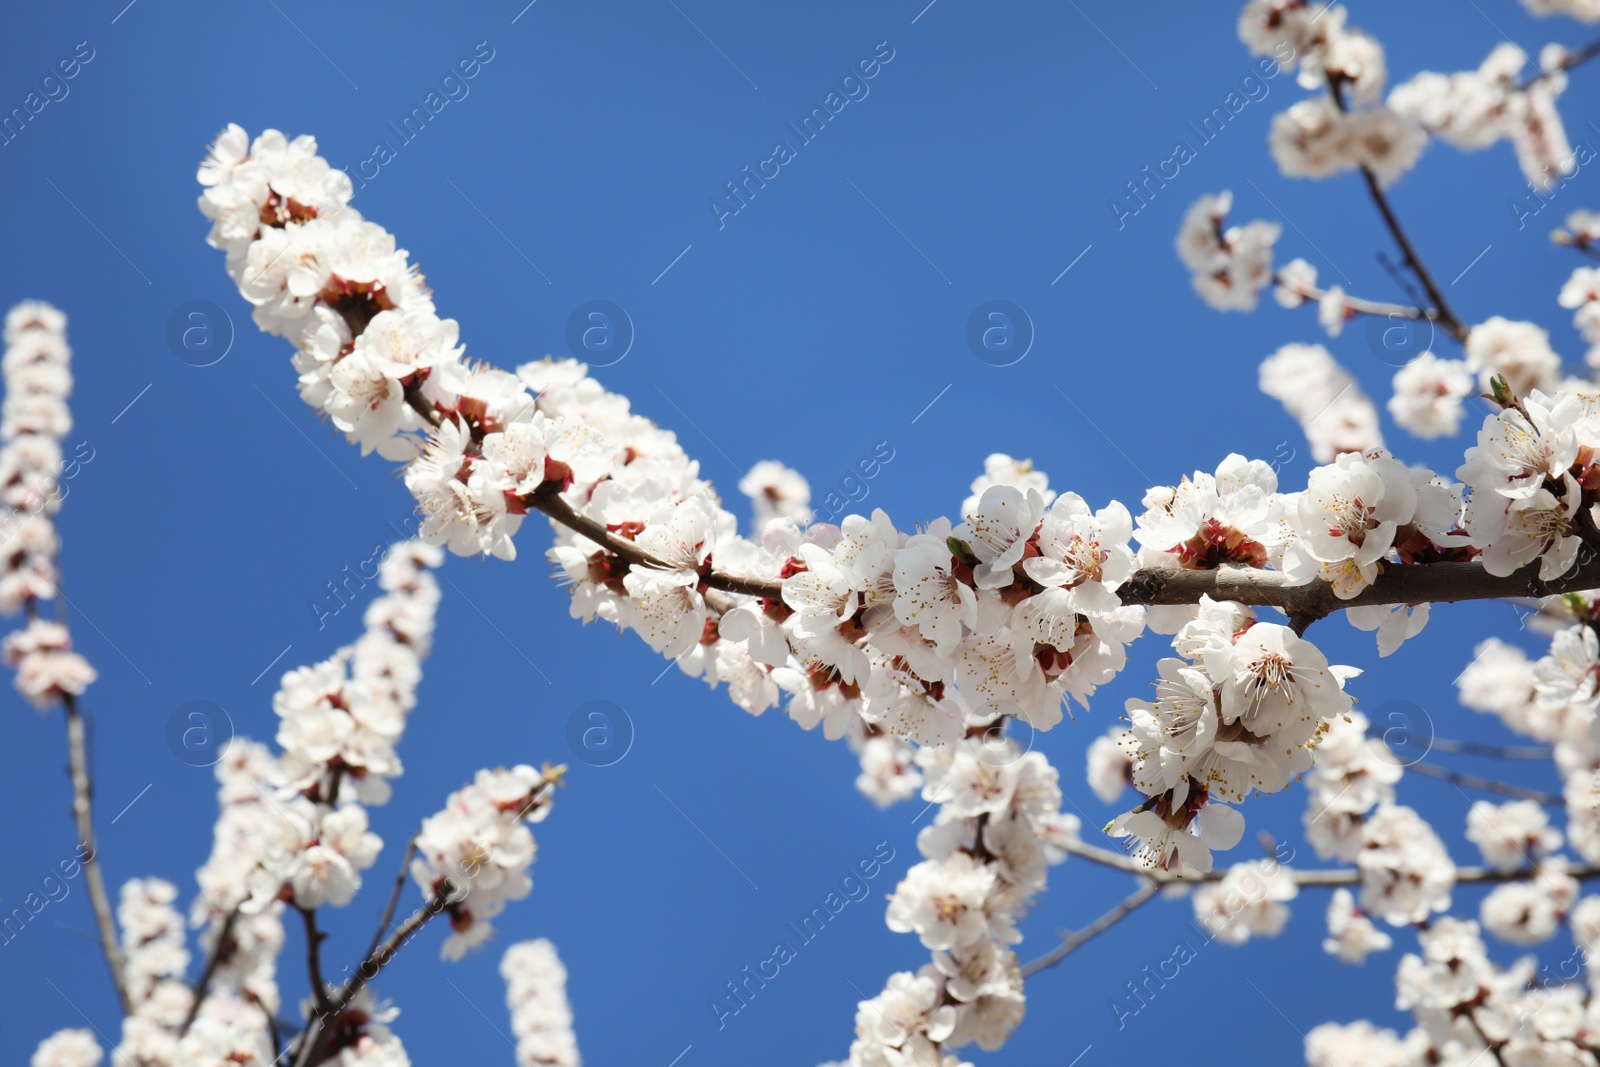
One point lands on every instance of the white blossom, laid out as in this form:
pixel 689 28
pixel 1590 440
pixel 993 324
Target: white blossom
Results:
pixel 536 993
pixel 1351 935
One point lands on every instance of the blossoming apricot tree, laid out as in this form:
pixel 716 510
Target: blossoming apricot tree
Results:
pixel 922 648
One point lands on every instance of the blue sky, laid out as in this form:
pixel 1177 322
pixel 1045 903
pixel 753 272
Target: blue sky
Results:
pixel 828 315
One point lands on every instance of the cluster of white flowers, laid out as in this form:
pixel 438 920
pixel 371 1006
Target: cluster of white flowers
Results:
pixel 1467 1008
pixel 1354 774
pixel 536 993
pixel 1239 714
pixel 1518 352
pixel 1205 522
pixel 359 1036
pixel 924 636
pixel 1351 815
pixel 776 492
pixel 340 721
pixel 1323 398
pixel 488 446
pixel 1523 498
pixel 1582 10
pixel 244 989
pixel 1428 395
pixel 1474 109
pixel 33 420
pixel 1351 934
pixel 1529 912
pixel 1297 284
pixel 1500 681
pixel 156 956
pixel 1248 901
pixel 1406 872
pixel 876 635
pixel 936 637
pixel 1552 700
pixel 1366 512
pixel 290 829
pixel 342 718
pixel 47 667
pixel 1230 266
pixel 1524 475
pixel 999 826
pixel 152 940
pixel 1511 835
pixel 888 770
pixel 473 856
pixel 1347 126
pixel 68 1048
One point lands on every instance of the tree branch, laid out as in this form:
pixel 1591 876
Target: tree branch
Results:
pixel 1475 748
pixel 1155 880
pixel 1439 583
pixel 1301 621
pixel 1378 308
pixel 1071 942
pixel 277 1035
pixel 552 504
pixel 1445 315
pixel 201 984
pixel 422 405
pixel 1568 62
pixel 1313 877
pixel 394 897
pixel 1419 583
pixel 83 811
pixel 1398 584
pixel 1487 785
pixel 319 988
pixel 1491 1047
pixel 375 961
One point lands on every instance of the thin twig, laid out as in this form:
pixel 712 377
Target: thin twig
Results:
pixel 423 406
pixel 1313 877
pixel 1070 943
pixel 1487 785
pixel 394 897
pixel 375 961
pixel 314 937
pixel 1491 1047
pixel 1568 62
pixel 277 1039
pixel 553 505
pixel 1446 316
pixel 1475 748
pixel 204 981
pixel 1407 286
pixel 83 811
pixel 1378 308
